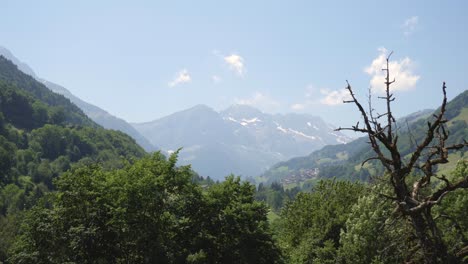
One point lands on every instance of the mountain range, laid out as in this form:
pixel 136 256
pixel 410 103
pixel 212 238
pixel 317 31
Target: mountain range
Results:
pixel 245 141
pixel 240 139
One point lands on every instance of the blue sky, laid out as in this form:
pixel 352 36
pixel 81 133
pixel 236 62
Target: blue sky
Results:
pixel 141 60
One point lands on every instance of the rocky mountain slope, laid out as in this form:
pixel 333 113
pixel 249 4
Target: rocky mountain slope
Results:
pixel 240 139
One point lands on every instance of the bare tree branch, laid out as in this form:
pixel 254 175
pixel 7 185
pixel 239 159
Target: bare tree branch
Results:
pixel 430 132
pixel 425 157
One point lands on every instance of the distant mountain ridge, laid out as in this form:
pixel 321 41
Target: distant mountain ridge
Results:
pixel 102 117
pixel 97 114
pixel 240 139
pixel 344 160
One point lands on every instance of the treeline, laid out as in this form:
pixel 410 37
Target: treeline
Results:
pixel 276 196
pixel 154 212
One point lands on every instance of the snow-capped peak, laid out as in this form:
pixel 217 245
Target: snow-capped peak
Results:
pixel 244 122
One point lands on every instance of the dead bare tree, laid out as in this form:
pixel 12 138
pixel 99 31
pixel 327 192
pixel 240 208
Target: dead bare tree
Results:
pixel 416 200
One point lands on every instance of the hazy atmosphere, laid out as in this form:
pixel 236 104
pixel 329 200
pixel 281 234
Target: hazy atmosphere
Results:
pixel 146 59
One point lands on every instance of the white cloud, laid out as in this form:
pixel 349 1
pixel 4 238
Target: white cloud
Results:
pixel 409 26
pixel 314 98
pixel 298 107
pixel 235 62
pixel 261 101
pixel 311 90
pixel 181 77
pixel 400 70
pixel 216 79
pixel 334 97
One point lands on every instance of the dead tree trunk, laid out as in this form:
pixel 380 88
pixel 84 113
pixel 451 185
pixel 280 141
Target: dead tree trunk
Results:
pixel 409 199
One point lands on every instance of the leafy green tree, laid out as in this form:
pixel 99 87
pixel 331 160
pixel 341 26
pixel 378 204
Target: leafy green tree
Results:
pixel 17 107
pixel 452 216
pixel 373 233
pixel 7 160
pixel 146 212
pixel 309 231
pixel 236 227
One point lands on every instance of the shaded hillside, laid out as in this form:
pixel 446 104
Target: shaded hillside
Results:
pixel 95 113
pixel 344 160
pixel 11 76
pixel 102 117
pixel 42 135
pixel 39 127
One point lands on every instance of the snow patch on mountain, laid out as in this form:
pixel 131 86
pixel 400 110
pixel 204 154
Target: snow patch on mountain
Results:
pixel 309 124
pixel 240 140
pixel 244 121
pixel 299 133
pixel 339 138
pixel 280 128
pixel 294 132
pixel 250 121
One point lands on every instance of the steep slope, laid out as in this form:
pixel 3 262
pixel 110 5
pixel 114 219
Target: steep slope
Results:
pixel 240 140
pixel 21 65
pixel 42 135
pixel 204 137
pixel 39 128
pixel 344 161
pixel 10 75
pixel 102 117
pixel 97 114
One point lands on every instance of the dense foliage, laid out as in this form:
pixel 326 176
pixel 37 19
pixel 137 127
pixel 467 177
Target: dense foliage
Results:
pixel 275 195
pixel 344 222
pixel 43 135
pixel 9 74
pixel 309 228
pixel 148 212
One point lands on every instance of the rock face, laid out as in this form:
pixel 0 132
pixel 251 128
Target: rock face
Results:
pixel 241 139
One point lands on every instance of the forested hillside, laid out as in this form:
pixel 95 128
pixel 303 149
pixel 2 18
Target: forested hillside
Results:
pixel 344 160
pixel 43 135
pixel 95 113
pixel 102 117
